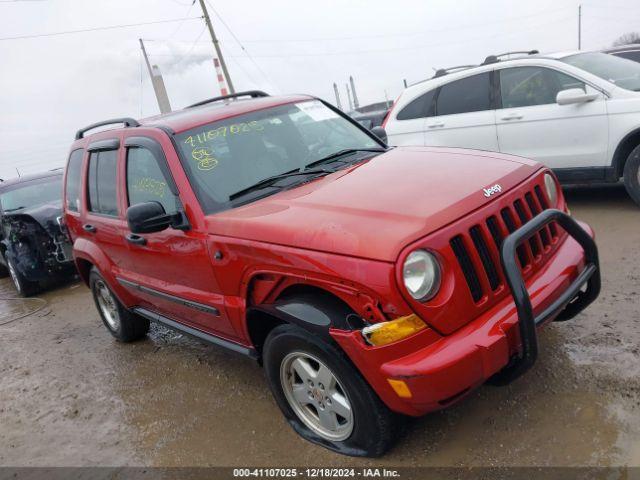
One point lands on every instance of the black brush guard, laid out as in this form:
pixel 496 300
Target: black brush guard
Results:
pixel 571 302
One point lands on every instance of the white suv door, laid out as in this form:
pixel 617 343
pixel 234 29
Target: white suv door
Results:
pixel 531 123
pixel 464 116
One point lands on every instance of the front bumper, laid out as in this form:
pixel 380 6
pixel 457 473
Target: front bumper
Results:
pixel 501 343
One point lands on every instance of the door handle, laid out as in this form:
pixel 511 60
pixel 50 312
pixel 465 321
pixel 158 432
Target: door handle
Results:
pixel 135 239
pixel 89 228
pixel 512 116
pixel 435 125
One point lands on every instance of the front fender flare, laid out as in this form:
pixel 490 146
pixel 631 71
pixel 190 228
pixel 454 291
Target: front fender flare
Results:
pixel 316 312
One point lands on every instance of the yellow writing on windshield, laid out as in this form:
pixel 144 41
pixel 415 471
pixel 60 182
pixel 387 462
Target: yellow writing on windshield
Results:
pixel 204 158
pixel 223 131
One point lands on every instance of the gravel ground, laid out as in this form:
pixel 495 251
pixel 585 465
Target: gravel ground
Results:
pixel 71 396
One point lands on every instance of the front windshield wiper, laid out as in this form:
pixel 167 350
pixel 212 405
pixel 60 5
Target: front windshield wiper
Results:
pixel 342 153
pixel 269 181
pixel 306 170
pixel 13 209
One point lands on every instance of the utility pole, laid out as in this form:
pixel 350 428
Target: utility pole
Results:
pixel 356 104
pixel 346 85
pixel 216 45
pixel 335 90
pixel 579 27
pixel 157 83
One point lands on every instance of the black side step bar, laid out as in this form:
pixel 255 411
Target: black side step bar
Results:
pixel 571 302
pixel 199 334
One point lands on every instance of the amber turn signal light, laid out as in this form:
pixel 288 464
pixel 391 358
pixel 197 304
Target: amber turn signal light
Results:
pixel 384 333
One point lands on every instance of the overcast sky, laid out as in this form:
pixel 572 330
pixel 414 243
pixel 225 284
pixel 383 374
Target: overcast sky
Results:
pixel 50 86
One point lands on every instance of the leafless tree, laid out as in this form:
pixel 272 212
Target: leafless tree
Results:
pixel 627 38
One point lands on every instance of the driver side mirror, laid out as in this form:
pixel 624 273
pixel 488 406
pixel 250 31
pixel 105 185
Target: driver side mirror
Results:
pixel 381 133
pixel 150 217
pixel 572 96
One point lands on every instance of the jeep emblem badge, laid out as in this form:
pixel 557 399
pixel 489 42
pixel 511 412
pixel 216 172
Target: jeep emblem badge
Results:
pixel 492 190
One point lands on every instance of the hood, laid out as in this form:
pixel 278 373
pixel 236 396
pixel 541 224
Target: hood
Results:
pixel 376 208
pixel 46 215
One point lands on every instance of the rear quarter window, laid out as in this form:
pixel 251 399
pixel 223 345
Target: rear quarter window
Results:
pixel 74 169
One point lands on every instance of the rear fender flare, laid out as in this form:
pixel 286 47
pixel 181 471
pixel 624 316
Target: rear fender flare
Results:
pixel 84 249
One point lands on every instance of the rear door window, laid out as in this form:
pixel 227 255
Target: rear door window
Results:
pixel 471 94
pixel 418 108
pixel 74 169
pixel 145 180
pixel 102 181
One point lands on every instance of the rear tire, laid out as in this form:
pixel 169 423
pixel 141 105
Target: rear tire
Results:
pixel 631 175
pixel 343 414
pixel 121 323
pixel 24 287
pixel 4 271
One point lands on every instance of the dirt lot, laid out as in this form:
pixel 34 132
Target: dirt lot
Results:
pixel 70 395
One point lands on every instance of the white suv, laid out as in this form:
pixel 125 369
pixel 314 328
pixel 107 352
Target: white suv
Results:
pixel 576 112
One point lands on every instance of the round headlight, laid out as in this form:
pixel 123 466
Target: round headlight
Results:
pixel 552 190
pixel 421 275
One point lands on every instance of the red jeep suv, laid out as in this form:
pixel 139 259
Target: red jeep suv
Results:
pixel 370 282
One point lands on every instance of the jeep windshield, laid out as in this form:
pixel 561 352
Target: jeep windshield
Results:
pixel 620 71
pixel 240 159
pixel 31 194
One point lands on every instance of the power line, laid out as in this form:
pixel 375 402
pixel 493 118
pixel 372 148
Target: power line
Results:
pixel 400 48
pixel 406 48
pixel 172 34
pixel 265 76
pixel 110 27
pixel 184 57
pixel 414 34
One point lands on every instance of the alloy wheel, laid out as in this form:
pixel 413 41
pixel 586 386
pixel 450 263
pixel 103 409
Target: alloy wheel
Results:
pixel 14 277
pixel 107 305
pixel 316 396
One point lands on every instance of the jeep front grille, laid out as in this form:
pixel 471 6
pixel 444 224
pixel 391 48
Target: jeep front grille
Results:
pixel 477 250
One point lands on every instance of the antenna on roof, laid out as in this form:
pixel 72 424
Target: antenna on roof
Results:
pixel 18 172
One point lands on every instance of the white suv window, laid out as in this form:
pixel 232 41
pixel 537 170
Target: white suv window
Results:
pixel 418 108
pixel 529 86
pixel 471 94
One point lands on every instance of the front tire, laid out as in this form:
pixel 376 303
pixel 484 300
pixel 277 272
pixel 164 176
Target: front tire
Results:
pixel 121 323
pixel 323 397
pixel 24 287
pixel 632 175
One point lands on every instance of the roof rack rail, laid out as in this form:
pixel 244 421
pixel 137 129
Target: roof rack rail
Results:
pixel 249 93
pixel 496 58
pixel 128 122
pixel 444 71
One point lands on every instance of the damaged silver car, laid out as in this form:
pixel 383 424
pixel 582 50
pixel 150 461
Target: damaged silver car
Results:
pixel 34 248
